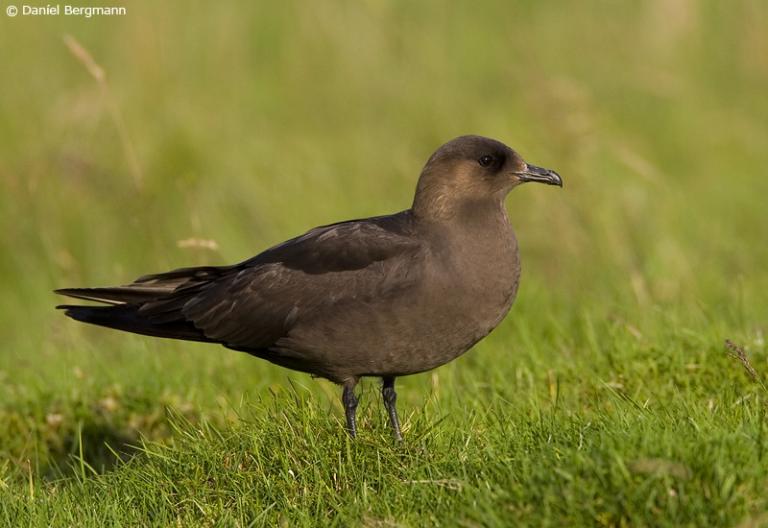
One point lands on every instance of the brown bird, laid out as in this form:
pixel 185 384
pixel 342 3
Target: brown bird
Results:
pixel 385 296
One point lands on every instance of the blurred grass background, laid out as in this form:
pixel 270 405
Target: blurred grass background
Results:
pixel 253 122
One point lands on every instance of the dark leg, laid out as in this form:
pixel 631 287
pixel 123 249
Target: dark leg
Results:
pixel 349 400
pixel 390 397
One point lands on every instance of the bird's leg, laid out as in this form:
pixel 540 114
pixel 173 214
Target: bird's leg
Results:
pixel 390 397
pixel 349 400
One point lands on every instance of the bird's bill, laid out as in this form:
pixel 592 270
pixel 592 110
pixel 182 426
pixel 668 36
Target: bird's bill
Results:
pixel 533 173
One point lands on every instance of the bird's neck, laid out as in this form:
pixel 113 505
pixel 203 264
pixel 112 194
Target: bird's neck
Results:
pixel 460 212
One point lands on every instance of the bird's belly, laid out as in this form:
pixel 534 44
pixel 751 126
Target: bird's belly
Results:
pixel 457 326
pixel 414 333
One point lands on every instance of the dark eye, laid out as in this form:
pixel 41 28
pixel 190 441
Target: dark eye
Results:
pixel 485 161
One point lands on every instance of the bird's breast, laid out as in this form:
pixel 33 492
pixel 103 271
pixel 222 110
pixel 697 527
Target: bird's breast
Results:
pixel 486 276
pixel 474 286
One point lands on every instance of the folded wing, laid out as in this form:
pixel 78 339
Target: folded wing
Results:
pixel 251 305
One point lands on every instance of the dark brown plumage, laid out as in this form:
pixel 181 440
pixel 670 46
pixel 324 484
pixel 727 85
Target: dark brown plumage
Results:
pixel 385 296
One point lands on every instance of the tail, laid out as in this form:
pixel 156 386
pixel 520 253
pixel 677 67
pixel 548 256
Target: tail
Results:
pixel 150 306
pixel 118 295
pixel 128 319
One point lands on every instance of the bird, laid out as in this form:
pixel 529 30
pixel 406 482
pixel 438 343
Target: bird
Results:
pixel 384 297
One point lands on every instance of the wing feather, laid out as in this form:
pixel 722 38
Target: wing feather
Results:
pixel 259 303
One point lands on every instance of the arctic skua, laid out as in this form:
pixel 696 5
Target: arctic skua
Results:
pixel 386 296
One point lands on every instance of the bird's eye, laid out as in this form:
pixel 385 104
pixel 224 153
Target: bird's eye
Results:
pixel 485 161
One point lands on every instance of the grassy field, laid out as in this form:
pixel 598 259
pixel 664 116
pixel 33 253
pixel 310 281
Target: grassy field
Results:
pixel 607 396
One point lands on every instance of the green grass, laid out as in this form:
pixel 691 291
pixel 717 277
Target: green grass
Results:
pixel 606 397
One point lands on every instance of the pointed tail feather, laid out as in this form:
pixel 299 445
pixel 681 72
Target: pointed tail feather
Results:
pixel 151 305
pixel 128 319
pixel 116 295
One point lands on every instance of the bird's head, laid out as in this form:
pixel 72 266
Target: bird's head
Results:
pixel 473 171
